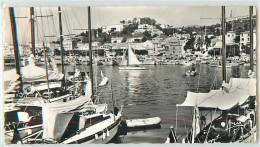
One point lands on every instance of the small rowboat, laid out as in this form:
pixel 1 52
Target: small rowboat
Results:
pixel 143 122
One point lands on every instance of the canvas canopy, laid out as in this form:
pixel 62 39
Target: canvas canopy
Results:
pixel 31 73
pixel 236 93
pixel 56 116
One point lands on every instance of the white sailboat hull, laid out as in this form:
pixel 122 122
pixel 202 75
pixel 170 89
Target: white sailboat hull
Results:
pixel 131 68
pixel 97 133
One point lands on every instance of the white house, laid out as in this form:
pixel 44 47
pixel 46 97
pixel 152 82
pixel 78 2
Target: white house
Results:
pixel 112 28
pixel 245 39
pixel 230 36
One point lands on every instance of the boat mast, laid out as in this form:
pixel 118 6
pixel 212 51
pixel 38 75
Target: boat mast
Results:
pixel 32 31
pixel 128 51
pixel 223 44
pixel 61 47
pixel 90 53
pixel 15 44
pixel 251 38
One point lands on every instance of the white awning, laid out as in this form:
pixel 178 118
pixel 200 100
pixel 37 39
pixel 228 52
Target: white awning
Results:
pixel 238 91
pixel 56 116
pixel 31 73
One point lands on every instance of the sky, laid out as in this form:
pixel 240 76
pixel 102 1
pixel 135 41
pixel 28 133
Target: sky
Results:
pixel 76 18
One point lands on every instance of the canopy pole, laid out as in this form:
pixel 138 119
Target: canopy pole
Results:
pixel 176 120
pixel 128 51
pixel 210 126
pixel 46 69
pixel 112 97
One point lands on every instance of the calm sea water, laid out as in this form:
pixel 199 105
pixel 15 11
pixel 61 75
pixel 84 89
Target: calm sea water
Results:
pixel 154 92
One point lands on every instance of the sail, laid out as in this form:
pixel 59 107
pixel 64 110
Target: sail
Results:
pixel 132 59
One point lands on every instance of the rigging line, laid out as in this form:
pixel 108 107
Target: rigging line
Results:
pixel 43 28
pixel 38 26
pixel 38 32
pixel 25 34
pixel 56 32
pixel 48 24
pixel 76 18
pixel 67 23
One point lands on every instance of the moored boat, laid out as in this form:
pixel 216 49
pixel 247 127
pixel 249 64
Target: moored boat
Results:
pixel 132 63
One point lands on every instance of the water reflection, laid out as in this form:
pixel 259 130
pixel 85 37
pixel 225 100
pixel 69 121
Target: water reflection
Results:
pixel 132 80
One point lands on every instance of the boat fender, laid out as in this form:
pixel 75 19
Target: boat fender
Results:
pixel 96 136
pixel 167 140
pixel 108 133
pixel 104 135
pixel 29 131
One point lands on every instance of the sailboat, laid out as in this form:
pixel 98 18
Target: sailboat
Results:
pixel 95 126
pixel 132 61
pixel 38 119
pixel 234 106
pixel 32 116
pixel 104 80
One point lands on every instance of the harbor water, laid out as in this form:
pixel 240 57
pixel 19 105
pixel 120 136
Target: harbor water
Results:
pixel 154 92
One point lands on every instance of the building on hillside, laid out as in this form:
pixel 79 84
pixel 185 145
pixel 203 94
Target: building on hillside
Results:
pixel 134 40
pixel 96 44
pixel 245 39
pixel 179 36
pixel 67 44
pixel 117 39
pixel 230 37
pixel 112 28
pixel 8 49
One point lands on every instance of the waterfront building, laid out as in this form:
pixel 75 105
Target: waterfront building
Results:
pixel 173 47
pixel 157 42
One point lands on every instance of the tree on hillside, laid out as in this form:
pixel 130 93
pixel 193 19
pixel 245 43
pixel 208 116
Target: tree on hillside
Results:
pixel 129 29
pixel 168 31
pixel 189 44
pixel 158 26
pixel 147 34
pixel 148 20
pixel 207 41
